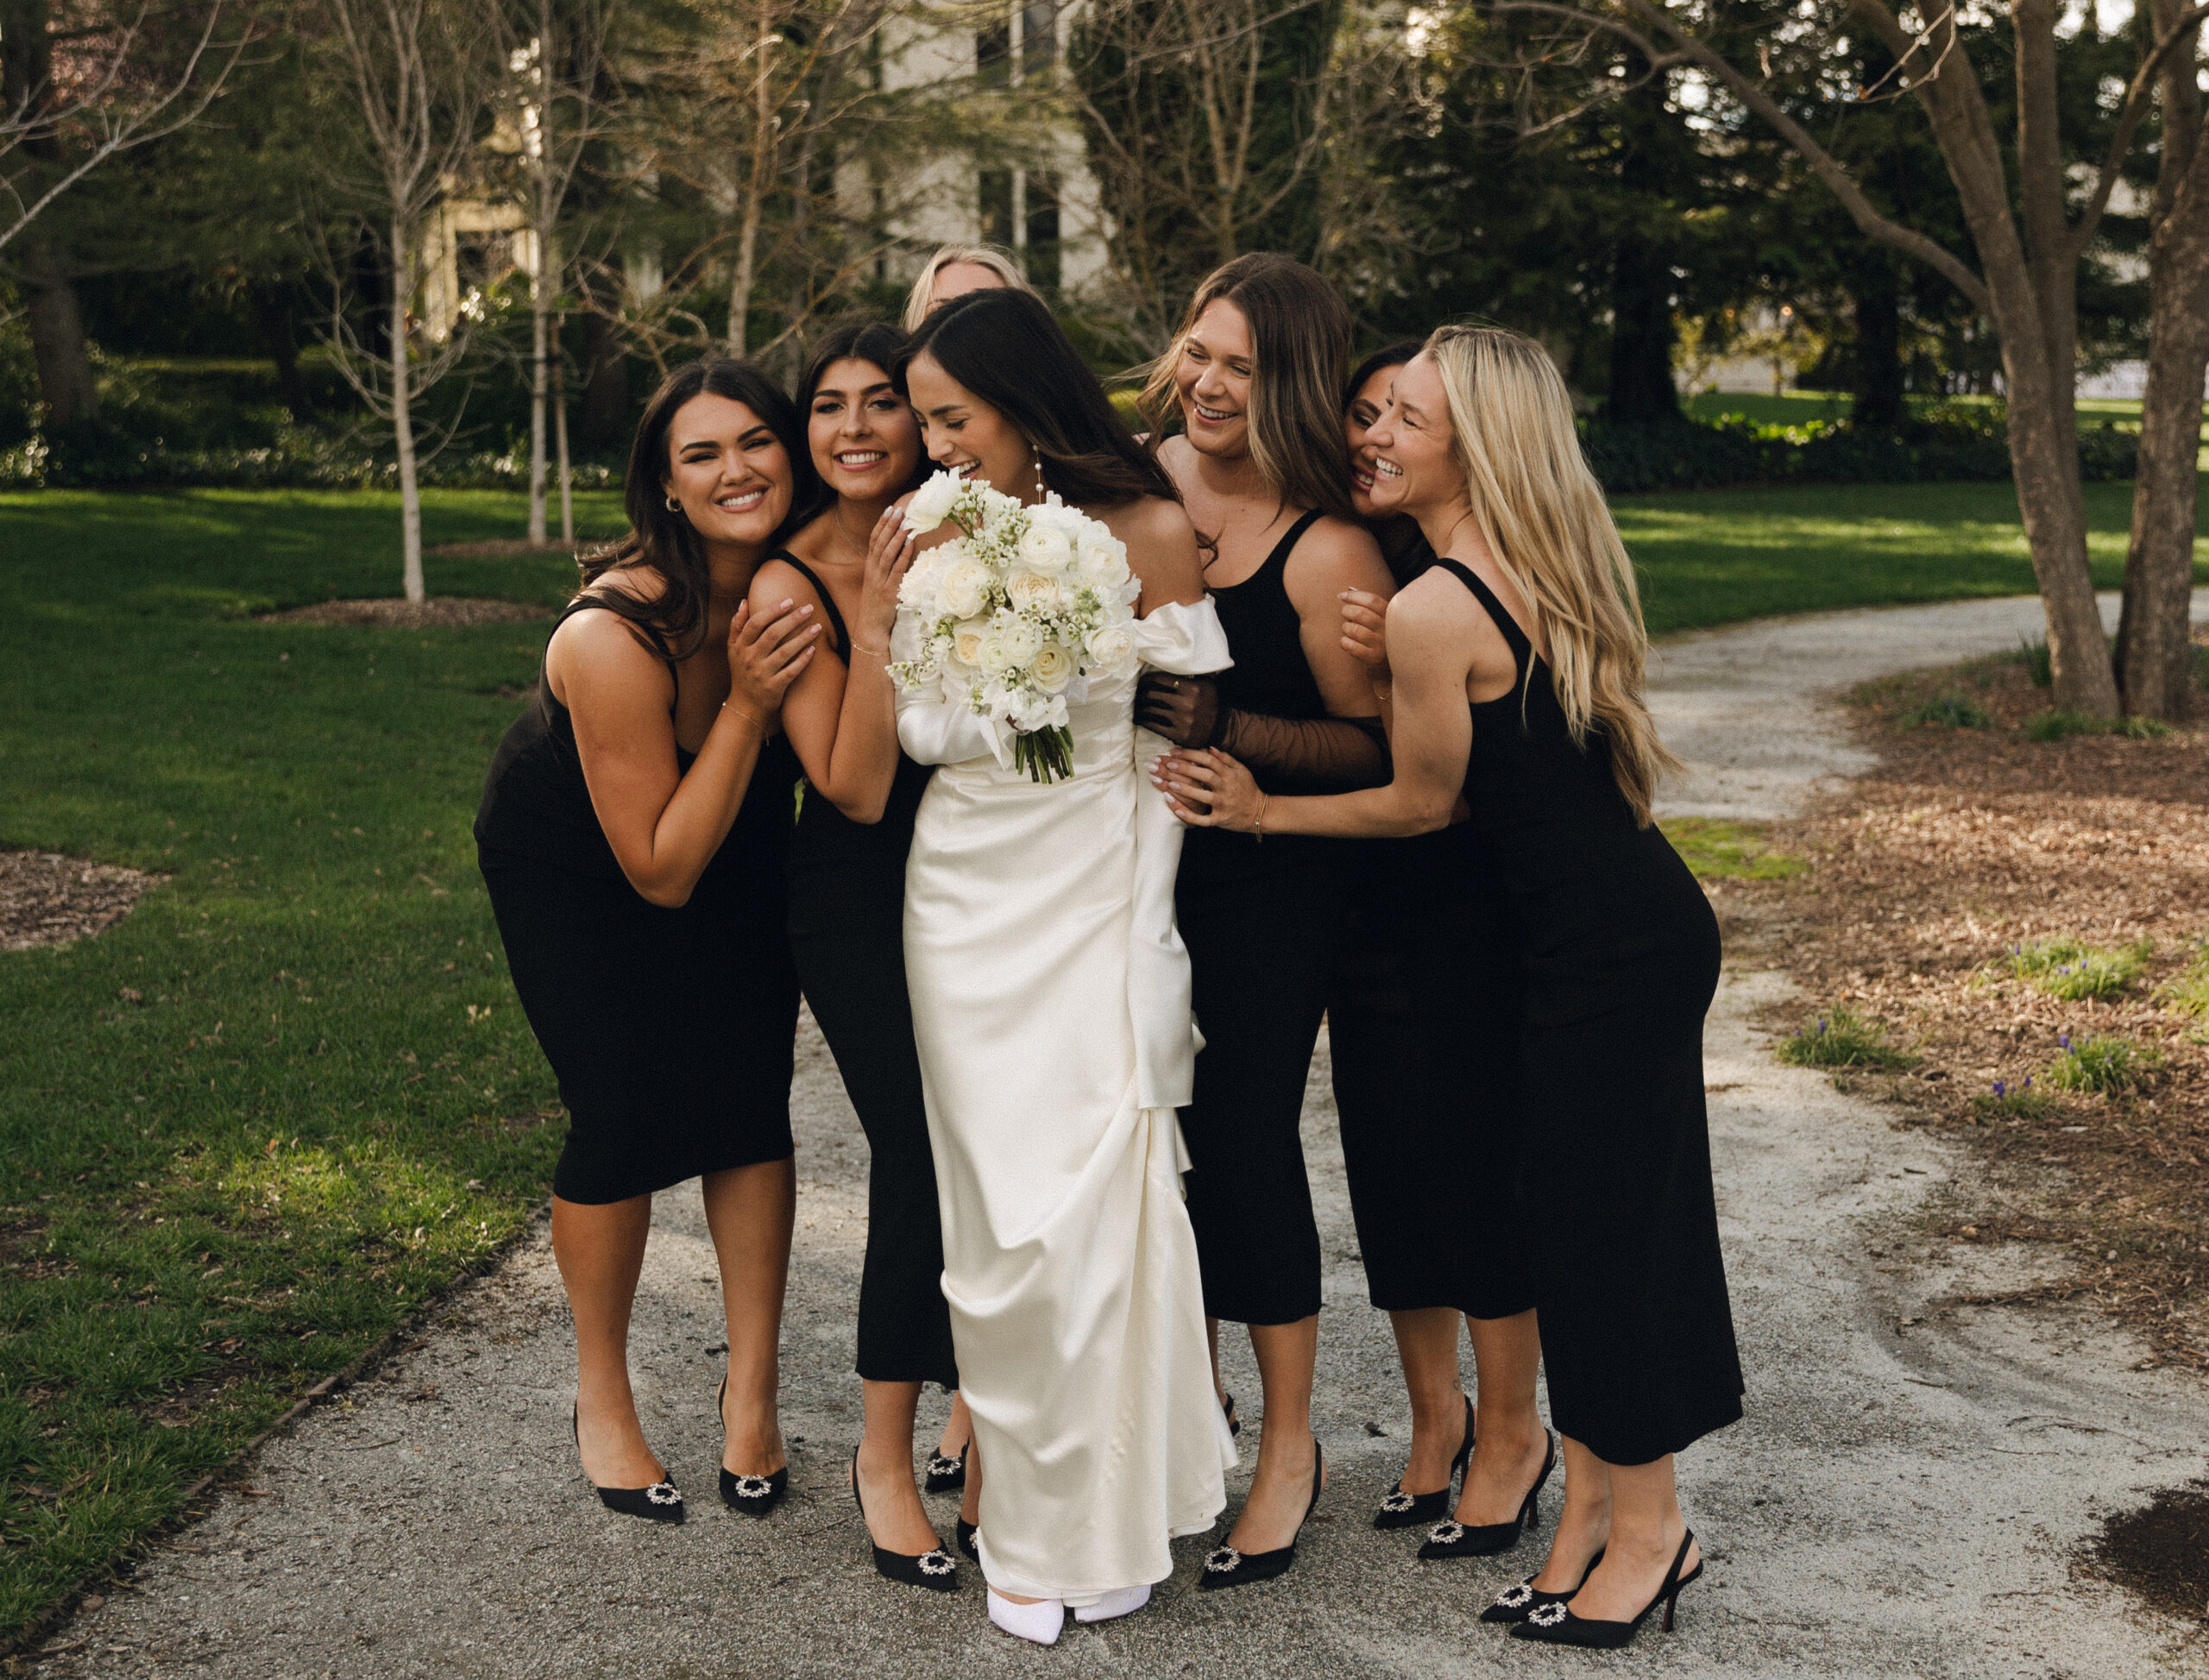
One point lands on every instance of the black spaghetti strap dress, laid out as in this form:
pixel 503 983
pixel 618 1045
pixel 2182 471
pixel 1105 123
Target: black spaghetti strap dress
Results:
pixel 1261 920
pixel 1619 960
pixel 1423 1027
pixel 848 932
pixel 671 1030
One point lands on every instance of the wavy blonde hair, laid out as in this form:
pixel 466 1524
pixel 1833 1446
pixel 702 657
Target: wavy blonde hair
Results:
pixel 999 262
pixel 1544 519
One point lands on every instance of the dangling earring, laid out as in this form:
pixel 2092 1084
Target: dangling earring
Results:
pixel 674 506
pixel 1041 495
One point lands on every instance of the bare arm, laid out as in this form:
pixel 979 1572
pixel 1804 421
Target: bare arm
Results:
pixel 1161 551
pixel 664 825
pixel 841 713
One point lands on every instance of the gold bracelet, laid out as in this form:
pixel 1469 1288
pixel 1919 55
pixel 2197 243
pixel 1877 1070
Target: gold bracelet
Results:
pixel 871 652
pixel 742 713
pixel 1258 828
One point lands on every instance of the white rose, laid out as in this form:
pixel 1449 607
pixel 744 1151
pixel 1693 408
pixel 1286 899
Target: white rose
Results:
pixel 1104 559
pixel 1044 548
pixel 1032 590
pixel 994 656
pixel 1111 650
pixel 966 588
pixel 1053 667
pixel 1022 637
pixel 932 503
pixel 967 640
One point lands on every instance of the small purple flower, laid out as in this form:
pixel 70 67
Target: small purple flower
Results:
pixel 2001 1089
pixel 2067 1041
pixel 2027 1085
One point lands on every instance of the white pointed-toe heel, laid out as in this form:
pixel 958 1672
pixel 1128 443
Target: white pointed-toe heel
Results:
pixel 1125 1603
pixel 1038 1623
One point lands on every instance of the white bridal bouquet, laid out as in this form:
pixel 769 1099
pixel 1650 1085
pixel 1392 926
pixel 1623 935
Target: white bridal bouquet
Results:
pixel 1017 613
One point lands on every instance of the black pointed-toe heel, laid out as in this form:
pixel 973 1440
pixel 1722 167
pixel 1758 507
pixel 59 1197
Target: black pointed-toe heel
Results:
pixel 1455 1539
pixel 1519 1602
pixel 661 1502
pixel 1403 1510
pixel 1227 1409
pixel 947 1474
pixel 754 1495
pixel 965 1534
pixel 934 1569
pixel 1554 1624
pixel 1226 1567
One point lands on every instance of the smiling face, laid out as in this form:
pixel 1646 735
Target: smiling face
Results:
pixel 1365 408
pixel 965 434
pixel 956 279
pixel 865 440
pixel 1408 447
pixel 1212 382
pixel 728 470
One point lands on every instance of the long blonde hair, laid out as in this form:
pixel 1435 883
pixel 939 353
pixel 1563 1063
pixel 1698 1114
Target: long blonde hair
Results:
pixel 999 262
pixel 1299 338
pixel 1544 519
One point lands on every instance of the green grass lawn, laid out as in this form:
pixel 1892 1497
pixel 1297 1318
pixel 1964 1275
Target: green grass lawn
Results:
pixel 290 1096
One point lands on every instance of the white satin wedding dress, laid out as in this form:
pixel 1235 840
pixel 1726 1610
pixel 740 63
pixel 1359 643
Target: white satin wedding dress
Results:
pixel 1050 998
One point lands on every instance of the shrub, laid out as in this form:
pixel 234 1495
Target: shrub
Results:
pixel 2106 1065
pixel 1841 1040
pixel 2033 656
pixel 2187 992
pixel 1950 711
pixel 2067 967
pixel 2140 729
pixel 2061 726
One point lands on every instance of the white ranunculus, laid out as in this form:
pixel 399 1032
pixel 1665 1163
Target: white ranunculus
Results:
pixel 995 657
pixel 1111 650
pixel 1102 558
pixel 1053 668
pixel 931 504
pixel 1022 637
pixel 966 587
pixel 1044 547
pixel 1032 591
pixel 967 640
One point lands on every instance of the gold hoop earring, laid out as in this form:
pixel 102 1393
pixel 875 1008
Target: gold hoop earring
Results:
pixel 674 505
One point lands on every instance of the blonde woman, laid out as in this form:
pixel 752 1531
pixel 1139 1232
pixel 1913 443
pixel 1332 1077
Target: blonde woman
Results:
pixel 1517 676
pixel 954 271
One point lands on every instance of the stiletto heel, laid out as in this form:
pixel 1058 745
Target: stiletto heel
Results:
pixel 754 1495
pixel 661 1502
pixel 1517 1603
pixel 1227 1409
pixel 964 1534
pixel 1455 1539
pixel 1554 1624
pixel 932 1570
pixel 1403 1510
pixel 1226 1567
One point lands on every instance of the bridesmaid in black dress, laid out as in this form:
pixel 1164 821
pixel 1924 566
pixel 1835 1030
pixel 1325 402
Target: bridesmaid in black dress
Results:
pixel 1256 376
pixel 846 873
pixel 1517 674
pixel 633 822
pixel 1423 1022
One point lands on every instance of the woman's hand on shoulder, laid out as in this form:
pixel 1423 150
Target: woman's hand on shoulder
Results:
pixel 890 552
pixel 1162 551
pixel 768 650
pixel 1365 631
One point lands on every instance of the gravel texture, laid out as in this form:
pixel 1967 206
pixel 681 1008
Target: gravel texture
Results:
pixel 48 899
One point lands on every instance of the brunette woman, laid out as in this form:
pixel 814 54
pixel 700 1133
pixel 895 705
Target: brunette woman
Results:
pixel 1423 1024
pixel 631 835
pixel 1255 378
pixel 846 873
pixel 1517 665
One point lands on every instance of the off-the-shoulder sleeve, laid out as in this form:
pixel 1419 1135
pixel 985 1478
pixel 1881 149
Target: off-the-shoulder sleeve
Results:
pixel 1183 637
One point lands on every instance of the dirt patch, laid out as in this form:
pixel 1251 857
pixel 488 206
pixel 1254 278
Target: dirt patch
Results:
pixel 439 612
pixel 2162 1552
pixel 48 899
pixel 500 548
pixel 1938 881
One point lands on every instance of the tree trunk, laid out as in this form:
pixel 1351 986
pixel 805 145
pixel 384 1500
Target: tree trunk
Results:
pixel 605 385
pixel 271 304
pixel 560 436
pixel 1878 398
pixel 540 324
pixel 402 418
pixel 67 395
pixel 2044 458
pixel 1642 391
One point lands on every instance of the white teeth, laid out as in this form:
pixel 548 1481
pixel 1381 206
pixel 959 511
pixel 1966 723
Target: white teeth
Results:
pixel 1216 415
pixel 1387 470
pixel 859 458
pixel 739 504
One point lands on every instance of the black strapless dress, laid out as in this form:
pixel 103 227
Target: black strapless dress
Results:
pixel 847 933
pixel 671 1030
pixel 1619 960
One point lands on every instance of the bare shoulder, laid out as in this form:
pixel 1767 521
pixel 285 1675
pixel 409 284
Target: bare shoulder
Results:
pixel 1149 520
pixel 1335 555
pixel 1434 602
pixel 777 581
pixel 602 650
pixel 1161 549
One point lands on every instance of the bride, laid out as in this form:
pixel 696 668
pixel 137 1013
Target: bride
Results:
pixel 1051 1008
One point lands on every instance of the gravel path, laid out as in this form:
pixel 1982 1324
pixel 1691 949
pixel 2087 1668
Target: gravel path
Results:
pixel 1904 1497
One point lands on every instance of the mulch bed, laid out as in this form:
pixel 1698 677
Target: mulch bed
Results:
pixel 499 548
pixel 1963 845
pixel 47 899
pixel 439 612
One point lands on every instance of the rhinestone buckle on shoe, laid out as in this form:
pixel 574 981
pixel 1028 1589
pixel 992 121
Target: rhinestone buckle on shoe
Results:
pixel 1446 1533
pixel 1399 1501
pixel 664 1493
pixel 939 1465
pixel 1223 1560
pixel 1548 1615
pixel 752 1486
pixel 937 1562
pixel 1512 1598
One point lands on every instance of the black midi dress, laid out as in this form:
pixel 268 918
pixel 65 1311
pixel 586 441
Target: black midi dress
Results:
pixel 670 1031
pixel 1261 920
pixel 1423 1026
pixel 847 933
pixel 1619 961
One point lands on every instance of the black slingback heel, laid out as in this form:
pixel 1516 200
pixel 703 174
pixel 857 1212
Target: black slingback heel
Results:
pixel 1455 1539
pixel 1554 1624
pixel 754 1495
pixel 661 1502
pixel 1403 1510
pixel 934 1569
pixel 1226 1567
pixel 1519 1602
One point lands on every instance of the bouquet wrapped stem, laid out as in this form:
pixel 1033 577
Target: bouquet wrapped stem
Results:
pixel 1045 754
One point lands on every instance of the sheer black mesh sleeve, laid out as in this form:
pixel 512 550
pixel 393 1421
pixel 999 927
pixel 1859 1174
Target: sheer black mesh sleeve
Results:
pixel 1342 753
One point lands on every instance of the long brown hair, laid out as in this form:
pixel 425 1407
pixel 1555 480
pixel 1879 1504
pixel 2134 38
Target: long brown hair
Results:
pixel 660 538
pixel 1299 338
pixel 1544 519
pixel 1006 348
